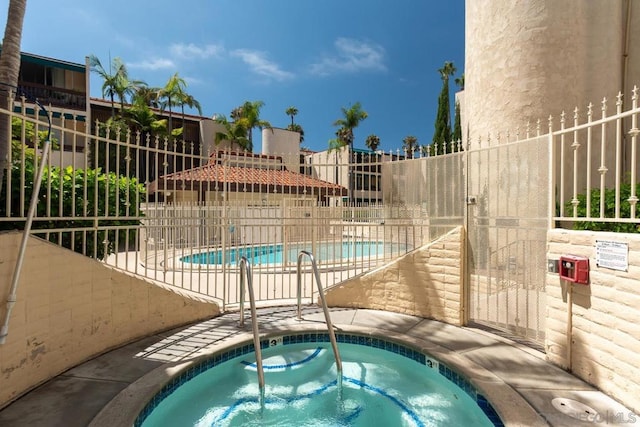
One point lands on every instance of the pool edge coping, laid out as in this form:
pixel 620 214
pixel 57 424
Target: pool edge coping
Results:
pixel 510 406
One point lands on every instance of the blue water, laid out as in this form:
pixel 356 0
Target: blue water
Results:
pixel 379 388
pixel 275 254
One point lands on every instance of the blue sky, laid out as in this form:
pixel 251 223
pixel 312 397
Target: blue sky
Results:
pixel 318 56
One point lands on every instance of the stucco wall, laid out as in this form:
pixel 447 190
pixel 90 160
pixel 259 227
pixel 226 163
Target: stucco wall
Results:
pixel 283 143
pixel 208 130
pixel 426 282
pixel 70 308
pixel 526 61
pixel 606 316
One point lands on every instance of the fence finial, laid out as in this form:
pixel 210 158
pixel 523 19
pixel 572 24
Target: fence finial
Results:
pixel 619 101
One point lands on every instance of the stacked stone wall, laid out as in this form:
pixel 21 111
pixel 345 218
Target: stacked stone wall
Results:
pixel 605 337
pixel 427 282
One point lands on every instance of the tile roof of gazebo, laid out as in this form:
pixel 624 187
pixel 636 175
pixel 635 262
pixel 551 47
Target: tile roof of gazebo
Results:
pixel 216 175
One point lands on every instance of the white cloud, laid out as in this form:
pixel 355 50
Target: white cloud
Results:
pixel 190 51
pixel 153 64
pixel 259 64
pixel 351 56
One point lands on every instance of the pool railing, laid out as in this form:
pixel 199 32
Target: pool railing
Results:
pixel 325 309
pixel 245 273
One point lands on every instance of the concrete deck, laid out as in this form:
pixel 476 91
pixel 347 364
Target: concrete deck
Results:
pixel 516 379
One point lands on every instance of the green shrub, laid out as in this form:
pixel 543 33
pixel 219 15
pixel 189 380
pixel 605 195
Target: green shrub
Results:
pixel 73 199
pixel 609 210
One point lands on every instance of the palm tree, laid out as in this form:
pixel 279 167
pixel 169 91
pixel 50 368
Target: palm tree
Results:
pixel 189 101
pixel 297 128
pixel 337 143
pixel 125 87
pixel 248 116
pixel 291 111
pixel 372 142
pixel 148 95
pixel 142 118
pixel 409 145
pixel 169 95
pixel 294 127
pixel 108 83
pixel 460 81
pixel 352 118
pixel 442 133
pixel 9 70
pixel 448 69
pixel 116 83
pixel 236 113
pixel 235 133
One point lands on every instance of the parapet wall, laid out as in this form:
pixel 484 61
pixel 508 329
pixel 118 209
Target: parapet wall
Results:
pixel 71 308
pixel 427 282
pixel 606 316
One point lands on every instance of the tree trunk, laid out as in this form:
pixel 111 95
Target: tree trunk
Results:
pixel 9 70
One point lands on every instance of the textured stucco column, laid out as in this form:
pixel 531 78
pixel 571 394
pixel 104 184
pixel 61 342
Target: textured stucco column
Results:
pixel 527 60
pixel 282 143
pixel 427 282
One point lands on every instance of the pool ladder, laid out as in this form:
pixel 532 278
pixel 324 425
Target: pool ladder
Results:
pixel 325 309
pixel 245 273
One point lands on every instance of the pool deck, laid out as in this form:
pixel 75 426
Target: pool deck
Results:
pixel 110 389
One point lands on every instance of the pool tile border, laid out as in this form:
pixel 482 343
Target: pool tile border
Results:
pixel 323 337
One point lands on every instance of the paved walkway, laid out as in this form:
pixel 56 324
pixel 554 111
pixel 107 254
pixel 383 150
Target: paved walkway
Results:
pixel 515 378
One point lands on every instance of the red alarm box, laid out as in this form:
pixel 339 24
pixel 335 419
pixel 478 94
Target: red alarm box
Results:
pixel 574 269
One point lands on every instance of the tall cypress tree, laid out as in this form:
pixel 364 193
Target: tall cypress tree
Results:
pixel 442 133
pixel 457 128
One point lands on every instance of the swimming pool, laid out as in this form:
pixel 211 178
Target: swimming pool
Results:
pixel 383 383
pixel 277 253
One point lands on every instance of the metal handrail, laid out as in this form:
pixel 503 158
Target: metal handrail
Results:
pixel 246 271
pixel 31 213
pixel 325 309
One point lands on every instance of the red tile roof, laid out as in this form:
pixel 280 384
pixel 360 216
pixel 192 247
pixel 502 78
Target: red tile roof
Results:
pixel 216 176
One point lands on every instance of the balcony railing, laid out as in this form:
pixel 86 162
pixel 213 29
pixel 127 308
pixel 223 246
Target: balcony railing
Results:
pixel 55 96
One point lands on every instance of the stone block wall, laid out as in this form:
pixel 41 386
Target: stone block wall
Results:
pixel 605 338
pixel 71 308
pixel 427 282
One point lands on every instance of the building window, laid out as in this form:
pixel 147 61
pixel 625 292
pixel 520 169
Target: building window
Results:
pixel 367 182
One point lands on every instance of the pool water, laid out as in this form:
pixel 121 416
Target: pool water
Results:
pixel 379 388
pixel 278 253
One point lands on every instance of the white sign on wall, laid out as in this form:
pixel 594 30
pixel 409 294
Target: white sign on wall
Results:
pixel 613 255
